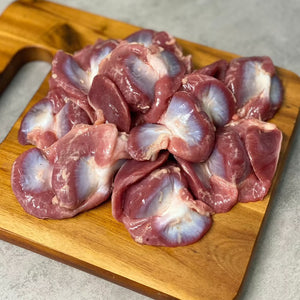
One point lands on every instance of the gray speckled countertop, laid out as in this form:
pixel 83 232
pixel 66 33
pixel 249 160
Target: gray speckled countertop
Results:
pixel 244 27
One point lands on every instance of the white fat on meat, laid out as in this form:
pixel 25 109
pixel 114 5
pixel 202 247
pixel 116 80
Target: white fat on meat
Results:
pixel 177 221
pixel 145 141
pixel 40 117
pixel 90 178
pixel 256 87
pixel 75 74
pixel 101 52
pixel 185 227
pixel 241 166
pixel 214 104
pixel 182 130
pixel 210 95
pixel 42 126
pixel 149 133
pixel 192 132
pixel 145 75
pixel 160 201
pixel 256 82
pixel 145 37
pixel 159 64
pixel 96 60
pixel 180 120
pixel 171 63
pixel 141 37
pixel 73 175
pixel 276 91
pixel 215 164
pixel 159 210
pixel 37 173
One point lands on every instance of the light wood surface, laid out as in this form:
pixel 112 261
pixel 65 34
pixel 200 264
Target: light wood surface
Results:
pixel 213 268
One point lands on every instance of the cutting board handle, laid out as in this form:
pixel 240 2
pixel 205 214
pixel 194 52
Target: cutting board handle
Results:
pixel 20 58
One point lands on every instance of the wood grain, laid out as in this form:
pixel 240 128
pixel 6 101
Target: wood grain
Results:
pixel 93 241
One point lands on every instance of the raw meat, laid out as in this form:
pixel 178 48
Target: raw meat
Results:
pixel 183 130
pixel 91 56
pixel 149 37
pixel 183 143
pixel 147 140
pixel 241 166
pixel 159 210
pixel 262 141
pixel 192 133
pixel 74 75
pixel 256 86
pixel 210 95
pixel 73 175
pixel 146 78
pixel 215 180
pixel 42 126
pixel 75 83
pixel 108 102
pixel 217 69
pixel 131 172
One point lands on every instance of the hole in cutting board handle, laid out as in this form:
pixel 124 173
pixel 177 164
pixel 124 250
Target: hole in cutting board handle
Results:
pixel 19 59
pixel 19 92
pixel 19 81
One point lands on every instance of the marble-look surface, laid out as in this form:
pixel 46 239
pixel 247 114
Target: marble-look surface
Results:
pixel 247 28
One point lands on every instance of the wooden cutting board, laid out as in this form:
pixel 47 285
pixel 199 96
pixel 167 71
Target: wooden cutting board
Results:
pixel 213 268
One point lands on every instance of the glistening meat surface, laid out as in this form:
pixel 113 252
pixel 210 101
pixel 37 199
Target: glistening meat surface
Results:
pixel 241 166
pixel 159 210
pixel 210 95
pixel 145 77
pixel 256 86
pixel 182 129
pixel 173 143
pixel 262 141
pixel 73 175
pixel 42 125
